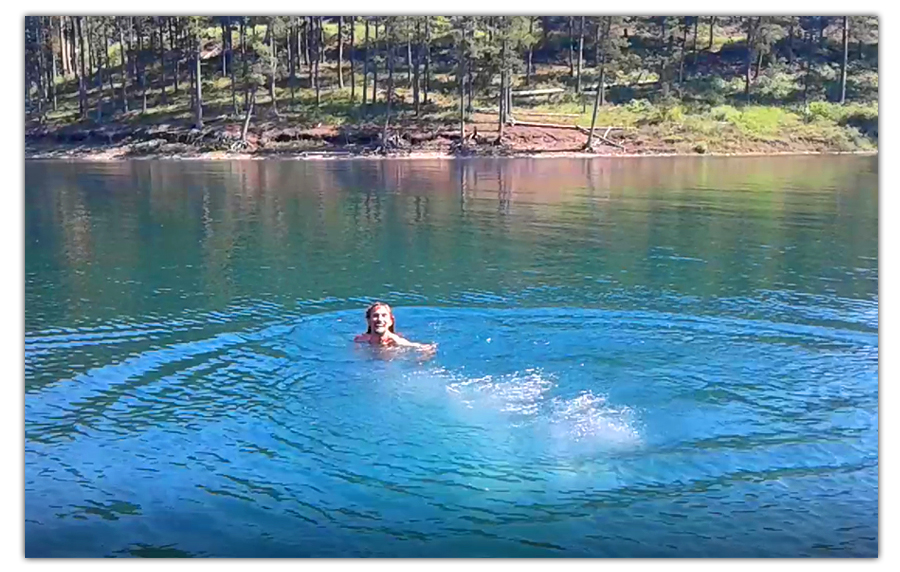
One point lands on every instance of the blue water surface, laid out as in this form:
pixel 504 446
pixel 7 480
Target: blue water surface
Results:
pixel 623 373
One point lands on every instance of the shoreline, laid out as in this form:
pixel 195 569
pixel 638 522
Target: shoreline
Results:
pixel 115 154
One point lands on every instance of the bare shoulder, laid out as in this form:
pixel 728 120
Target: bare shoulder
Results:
pixel 361 338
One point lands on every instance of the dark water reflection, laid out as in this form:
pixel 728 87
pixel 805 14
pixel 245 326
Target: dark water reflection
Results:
pixel 638 357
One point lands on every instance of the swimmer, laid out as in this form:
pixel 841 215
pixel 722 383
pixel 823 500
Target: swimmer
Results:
pixel 381 330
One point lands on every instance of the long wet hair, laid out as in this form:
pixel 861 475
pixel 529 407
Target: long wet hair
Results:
pixel 371 309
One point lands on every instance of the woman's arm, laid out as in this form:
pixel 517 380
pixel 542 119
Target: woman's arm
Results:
pixel 403 342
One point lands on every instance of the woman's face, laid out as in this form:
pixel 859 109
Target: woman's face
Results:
pixel 380 320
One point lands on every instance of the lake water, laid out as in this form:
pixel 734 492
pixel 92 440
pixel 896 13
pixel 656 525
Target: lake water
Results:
pixel 637 357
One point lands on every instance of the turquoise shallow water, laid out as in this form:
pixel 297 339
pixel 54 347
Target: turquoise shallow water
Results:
pixel 662 357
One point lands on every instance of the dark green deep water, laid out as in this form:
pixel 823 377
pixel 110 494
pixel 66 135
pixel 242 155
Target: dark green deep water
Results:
pixel 637 357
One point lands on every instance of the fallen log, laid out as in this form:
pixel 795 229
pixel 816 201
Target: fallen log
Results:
pixel 603 137
pixel 529 93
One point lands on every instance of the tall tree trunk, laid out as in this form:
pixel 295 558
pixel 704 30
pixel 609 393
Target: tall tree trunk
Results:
pixel 42 91
pixel 53 32
pixel 63 44
pixel 598 98
pixel 123 64
pixel 73 46
pixel 351 58
pixel 504 72
pixel 712 27
pixel 310 47
pixel 845 38
pixel 806 78
pixel 244 62
pixel 365 86
pixel 415 84
pixel 320 47
pixel 748 56
pixel 176 53
pixel 82 94
pixel 198 82
pixel 790 42
pixel 427 80
pixel 320 40
pixel 683 46
pixel 89 46
pixel 461 80
pixel 571 29
pixel 234 105
pixel 273 64
pixel 408 56
pixel 304 31
pixel 340 43
pixel 529 63
pixel 694 43
pixel 224 32
pixel 375 66
pixel 388 26
pixel 162 62
pixel 759 61
pixel 142 65
pixel 290 56
pixel 580 55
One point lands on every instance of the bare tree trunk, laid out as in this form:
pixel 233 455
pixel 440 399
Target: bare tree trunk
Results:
pixel 123 64
pixel 790 42
pixel 683 46
pixel 248 114
pixel 416 62
pixel 340 43
pixel 63 44
pixel 408 56
pixel 82 95
pixel 598 98
pixel 712 26
pixel 530 64
pixel 320 47
pixel 234 105
pixel 580 55
pixel 748 56
pixel 305 30
pixel 503 81
pixel 290 56
pixel 273 64
pixel 142 65
pixel 388 25
pixel 224 32
pixel 162 63
pixel 89 46
pixel 310 47
pixel 365 86
pixel 809 57
pixel 694 43
pixel 351 57
pixel 53 31
pixel 461 79
pixel 198 81
pixel 375 68
pixel 759 61
pixel 244 63
pixel 845 40
pixel 427 83
pixel 73 46
pixel 571 47
pixel 176 52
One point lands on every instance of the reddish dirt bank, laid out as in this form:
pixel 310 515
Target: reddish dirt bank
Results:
pixel 221 140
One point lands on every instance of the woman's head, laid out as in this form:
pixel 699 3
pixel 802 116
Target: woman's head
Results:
pixel 380 319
